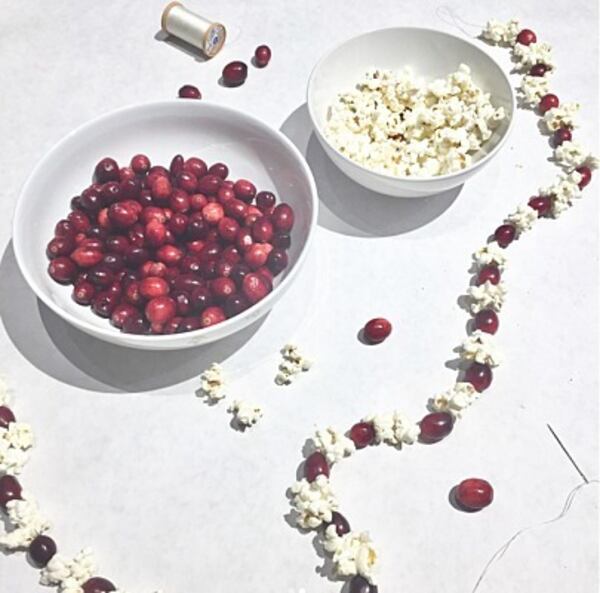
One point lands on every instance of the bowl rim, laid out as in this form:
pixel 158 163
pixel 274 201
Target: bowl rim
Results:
pixel 387 176
pixel 111 333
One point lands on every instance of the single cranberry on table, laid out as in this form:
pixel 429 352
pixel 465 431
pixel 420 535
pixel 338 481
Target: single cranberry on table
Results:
pixel 315 465
pixel 479 375
pixel 262 55
pixel 436 426
pixel 10 489
pixel 547 102
pixel 362 434
pixel 586 175
pixel 486 321
pixel 358 584
pixel 6 416
pixel 505 234
pixel 342 527
pixel 98 585
pixel 235 73
pixel 377 330
pixel 189 91
pixel 474 494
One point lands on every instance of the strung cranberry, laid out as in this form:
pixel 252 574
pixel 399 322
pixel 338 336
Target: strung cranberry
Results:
pixel 209 184
pixel 104 303
pixel 526 37
pixel 107 170
pixel 91 200
pixel 136 256
pixel 213 213
pixel 586 176
pixel 562 135
pixel 201 298
pixel 60 246
pixel 219 169
pixel 283 218
pixel 169 254
pixel 6 416
pixel 86 257
pixel 505 234
pixel 262 55
pixel 315 465
pixel 377 330
pixel 265 200
pixel 362 434
pixel 189 324
pixel 359 584
pixel 188 282
pixel 538 70
pixel 98 585
pixel 10 489
pixel 161 189
pixel 479 375
pixel 235 304
pixel 195 166
pixel 41 550
pixel 80 221
pixel 277 261
pixel 212 316
pixel 231 254
pixel 62 270
pixel 135 324
pixel 222 288
pixel 542 204
pixel 117 244
pixel 238 273
pixel 548 102
pixel 244 190
pixel 160 309
pixel 100 276
pixel 111 192
pixel 172 325
pixel 489 273
pixel 486 321
pixel 235 73
pixel 474 494
pixel 121 312
pixel 153 286
pixel 342 527
pixel 84 292
pixel 436 426
pixel 130 188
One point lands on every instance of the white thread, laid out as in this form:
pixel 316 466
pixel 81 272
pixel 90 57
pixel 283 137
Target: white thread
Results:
pixel 444 12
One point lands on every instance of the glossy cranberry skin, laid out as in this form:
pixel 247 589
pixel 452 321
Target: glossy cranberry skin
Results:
pixel 315 465
pixel 505 234
pixel 262 230
pixel 235 73
pixel 538 70
pixel 377 330
pixel 122 214
pixel 209 184
pixel 255 287
pixel 231 255
pixel 238 273
pixel 479 375
pixel 160 309
pixel 10 489
pixel 79 220
pixel 188 282
pixel 189 91
pixel 562 135
pixel 161 189
pixel 130 189
pixel 140 164
pixel 244 190
pixel 283 218
pixel 91 200
pixel 262 55
pixel 277 261
pixel 136 256
pixel 359 584
pixel 542 204
pixel 154 286
pixel 489 273
pixel 195 166
pixel 104 303
pixel 197 227
pixel 222 288
pixel 117 244
pixel 187 182
pixel 586 176
pixel 121 313
pixel 220 170
pixel 201 298
pixel 526 37
pixel 6 416
pixel 189 324
pixel 282 240
pixel 176 166
pixel 212 316
pixel 257 254
pixel 178 224
pixel 135 325
pixel 228 228
pixel 436 426
pixel 60 246
pixel 235 304
pixel 107 170
pixel 212 213
pixel 486 321
pixel 101 276
pixel 41 550
pixel 342 527
pixel 474 494
pixel 183 302
pixel 84 292
pixel 548 102
pixel 98 585
pixel 62 270
pixel 362 434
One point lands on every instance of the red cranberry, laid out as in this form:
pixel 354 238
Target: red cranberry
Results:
pixel 160 309
pixel 436 426
pixel 136 256
pixel 140 164
pixel 62 270
pixel 526 37
pixel 282 240
pixel 189 324
pixel 6 416
pixel 283 218
pixel 107 170
pixel 60 246
pixel 538 70
pixel 41 550
pixel 104 303
pixel 100 276
pixel 377 330
pixel 235 304
pixel 10 489
pixel 244 241
pixel 133 294
pixel 161 189
pixel 126 174
pixel 130 188
pixel 238 273
pixel 136 235
pixel 342 527
pixel 220 170
pixel 114 262
pixel 542 204
pixel 225 193
pixel 64 228
pixel 244 190
pixel 195 166
pixel 153 286
pixel 228 228
pixel 91 200
pixel 489 273
pixel 262 230
pixel 172 326
pixel 548 102
pixel 135 325
pixel 479 375
pixel 176 165
pixel 487 321
pixel 201 298
pixel 97 232
pixel 222 288
pixel 262 55
pixel 586 176
pixel 111 192
pixel 178 224
pixel 155 233
pixel 209 184
pixel 265 200
pixel 169 254
pixel 213 213
pixel 189 91
pixel 197 227
pixel 315 465
pixel 98 585
pixel 187 182
pixel 359 584
pixel 474 494
pixel 277 261
pixel 122 214
pixel 562 135
pixel 80 221
pixel 266 274
pixel 255 287
pixel 505 235
pixel 188 282
pixel 231 254
pixel 121 313
pixel 257 254
pixel 84 292
pixel 150 213
pixel 180 201
pixel 212 316
pixel 235 73
pixel 362 434
pixel 183 302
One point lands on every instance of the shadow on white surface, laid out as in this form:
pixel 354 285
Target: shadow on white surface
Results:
pixel 71 356
pixel 347 207
pixel 182 46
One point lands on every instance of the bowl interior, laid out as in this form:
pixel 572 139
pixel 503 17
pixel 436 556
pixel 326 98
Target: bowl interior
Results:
pixel 431 54
pixel 250 148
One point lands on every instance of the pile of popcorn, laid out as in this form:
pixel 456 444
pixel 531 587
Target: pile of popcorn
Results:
pixel 397 124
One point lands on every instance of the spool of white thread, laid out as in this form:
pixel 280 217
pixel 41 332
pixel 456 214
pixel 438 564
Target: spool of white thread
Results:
pixel 177 20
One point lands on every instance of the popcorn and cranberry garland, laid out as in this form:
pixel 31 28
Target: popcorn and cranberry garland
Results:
pixel 312 498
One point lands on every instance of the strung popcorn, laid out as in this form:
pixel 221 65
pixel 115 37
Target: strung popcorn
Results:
pixel 499 32
pixel 523 218
pixel 480 347
pixel 455 400
pixel 313 502
pixel 246 413
pixel 487 296
pixel 292 365
pixel 393 429
pixel 15 442
pixel 352 553
pixel 69 575
pixel 491 253
pixel 571 154
pixel 24 515
pixel 212 385
pixel 533 88
pixel 563 116
pixel 334 445
pixel 532 54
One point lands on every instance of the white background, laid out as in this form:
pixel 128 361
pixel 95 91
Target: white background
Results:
pixel 130 463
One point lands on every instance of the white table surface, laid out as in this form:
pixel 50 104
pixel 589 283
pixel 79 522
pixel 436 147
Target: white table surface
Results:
pixel 130 463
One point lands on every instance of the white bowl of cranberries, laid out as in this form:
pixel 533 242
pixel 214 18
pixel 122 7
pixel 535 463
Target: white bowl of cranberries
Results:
pixel 165 225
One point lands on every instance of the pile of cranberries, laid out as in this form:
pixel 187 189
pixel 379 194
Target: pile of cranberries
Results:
pixel 168 250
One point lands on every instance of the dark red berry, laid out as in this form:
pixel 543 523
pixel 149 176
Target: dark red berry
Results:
pixel 235 73
pixel 542 204
pixel 41 550
pixel 10 489
pixel 474 494
pixel 342 527
pixel 505 234
pixel 548 102
pixel 189 91
pixel 62 270
pixel 107 170
pixel 486 321
pixel 489 273
pixel 377 330
pixel 538 70
pixel 262 55
pixel 315 465
pixel 479 375
pixel 526 37
pixel 562 135
pixel 436 426
pixel 586 176
pixel 98 585
pixel 6 416
pixel 362 434
pixel 359 584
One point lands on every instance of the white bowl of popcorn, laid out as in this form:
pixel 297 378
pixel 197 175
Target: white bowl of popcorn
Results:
pixel 410 112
